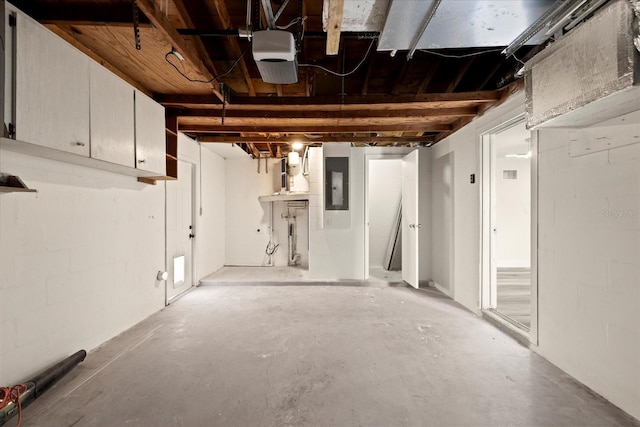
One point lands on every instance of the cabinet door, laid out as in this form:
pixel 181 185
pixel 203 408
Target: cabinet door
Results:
pixel 112 133
pixel 150 135
pixel 52 90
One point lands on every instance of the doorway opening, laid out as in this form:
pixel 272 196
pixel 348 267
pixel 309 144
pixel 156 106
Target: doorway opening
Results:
pixel 384 216
pixel 507 232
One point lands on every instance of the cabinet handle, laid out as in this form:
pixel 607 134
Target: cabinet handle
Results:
pixel 142 161
pixel 79 144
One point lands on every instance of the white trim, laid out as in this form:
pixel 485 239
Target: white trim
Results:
pixel 487 300
pixel 367 158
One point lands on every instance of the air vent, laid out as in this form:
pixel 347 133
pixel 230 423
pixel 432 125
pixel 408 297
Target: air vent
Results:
pixel 509 174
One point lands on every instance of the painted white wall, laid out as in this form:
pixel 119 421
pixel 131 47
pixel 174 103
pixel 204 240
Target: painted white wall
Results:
pixel 336 238
pixel 384 194
pixel 245 214
pixel 210 215
pixel 465 144
pixel 442 219
pixel 589 253
pixel 513 213
pixel 79 261
pixel 337 241
pixel 589 264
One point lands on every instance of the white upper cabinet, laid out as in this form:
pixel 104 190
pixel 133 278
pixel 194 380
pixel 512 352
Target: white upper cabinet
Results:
pixel 112 120
pixel 150 135
pixel 52 90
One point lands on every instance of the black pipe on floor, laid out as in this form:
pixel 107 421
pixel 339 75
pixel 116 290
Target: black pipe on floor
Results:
pixel 40 383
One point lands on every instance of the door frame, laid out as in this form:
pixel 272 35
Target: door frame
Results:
pixel 369 157
pixel 485 296
pixel 169 257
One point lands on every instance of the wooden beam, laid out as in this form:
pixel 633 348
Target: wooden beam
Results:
pixel 272 149
pixel 202 50
pixel 220 8
pixel 398 83
pixel 492 72
pixel 334 26
pixel 513 88
pixel 365 84
pixel 428 76
pixel 227 139
pixel 371 102
pixel 348 114
pixel 162 24
pixel 253 149
pixel 462 71
pixel 217 128
pixel 82 13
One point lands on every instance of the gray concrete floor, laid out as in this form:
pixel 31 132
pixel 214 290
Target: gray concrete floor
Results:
pixel 317 355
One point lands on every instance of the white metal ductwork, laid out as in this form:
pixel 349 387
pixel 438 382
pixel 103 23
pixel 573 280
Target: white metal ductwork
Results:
pixel 590 75
pixel 275 54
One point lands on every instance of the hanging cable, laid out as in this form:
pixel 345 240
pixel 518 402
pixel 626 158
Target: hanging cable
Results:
pixel 292 23
pixel 516 58
pixel 214 78
pixel 467 55
pixel 343 74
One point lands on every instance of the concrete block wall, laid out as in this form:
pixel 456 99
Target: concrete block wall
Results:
pixel 589 265
pixel 245 214
pixel 78 261
pixel 588 257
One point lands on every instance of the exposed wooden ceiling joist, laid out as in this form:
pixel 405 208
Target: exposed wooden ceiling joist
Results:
pixel 112 15
pixel 334 26
pixel 219 7
pixel 219 128
pixel 371 102
pixel 161 22
pixel 319 139
pixel 462 71
pixel 202 51
pixel 434 113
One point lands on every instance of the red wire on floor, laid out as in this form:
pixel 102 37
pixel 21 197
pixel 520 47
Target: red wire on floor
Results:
pixel 12 395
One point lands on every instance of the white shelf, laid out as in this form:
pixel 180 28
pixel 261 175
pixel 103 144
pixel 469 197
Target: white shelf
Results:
pixel 284 197
pixel 63 156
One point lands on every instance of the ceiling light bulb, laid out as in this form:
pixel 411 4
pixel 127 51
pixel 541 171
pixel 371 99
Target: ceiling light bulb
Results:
pixel 297 145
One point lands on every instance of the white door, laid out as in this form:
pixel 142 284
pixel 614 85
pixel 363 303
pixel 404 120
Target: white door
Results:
pixel 410 220
pixel 180 231
pixel 150 135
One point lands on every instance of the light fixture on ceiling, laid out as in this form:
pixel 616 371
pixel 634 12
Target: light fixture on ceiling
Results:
pixel 526 155
pixel 297 146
